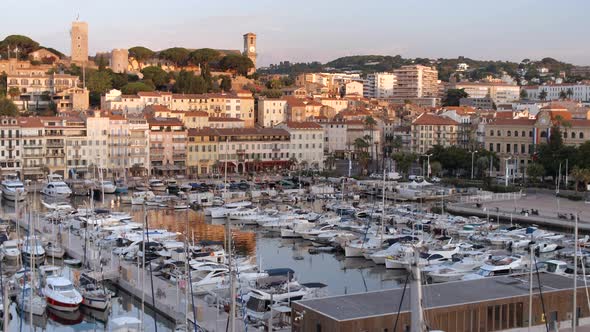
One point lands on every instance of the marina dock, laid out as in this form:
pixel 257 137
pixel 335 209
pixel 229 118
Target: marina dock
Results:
pixel 170 301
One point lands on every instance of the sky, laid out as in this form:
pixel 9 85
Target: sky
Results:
pixel 319 30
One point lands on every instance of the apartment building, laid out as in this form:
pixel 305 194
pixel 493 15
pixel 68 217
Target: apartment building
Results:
pixel 579 92
pixel 307 144
pixel 430 129
pixel 517 138
pixel 499 93
pixel 139 140
pixel 379 85
pixel 416 81
pixel 238 105
pixel 302 109
pixel 57 132
pixel 335 141
pixel 253 149
pixel 98 136
pixel 271 111
pixel 10 146
pixel 202 153
pixel 37 89
pixel 167 146
pixel 33 147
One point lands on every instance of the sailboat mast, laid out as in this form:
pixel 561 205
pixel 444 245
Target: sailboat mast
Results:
pixel 383 208
pixel 417 315
pixel 531 288
pixel 574 301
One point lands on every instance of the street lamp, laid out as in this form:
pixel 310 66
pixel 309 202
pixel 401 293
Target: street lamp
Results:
pixel 506 171
pixel 472 156
pixel 428 164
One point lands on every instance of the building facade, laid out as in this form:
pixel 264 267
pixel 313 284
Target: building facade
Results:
pixel 430 129
pixel 379 85
pixel 416 82
pixel 79 42
pixel 307 144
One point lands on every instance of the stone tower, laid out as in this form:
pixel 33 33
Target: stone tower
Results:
pixel 250 48
pixel 79 35
pixel 119 60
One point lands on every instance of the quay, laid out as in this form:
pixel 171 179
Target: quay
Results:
pixel 170 301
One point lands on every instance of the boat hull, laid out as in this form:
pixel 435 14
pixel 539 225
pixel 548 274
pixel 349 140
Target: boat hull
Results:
pixel 61 306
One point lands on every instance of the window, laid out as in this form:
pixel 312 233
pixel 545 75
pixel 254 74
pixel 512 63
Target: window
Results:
pixel 509 133
pixel 491 147
pixel 508 148
pixel 498 133
pixel 530 133
pixel 581 135
pixel 516 133
pixel 523 134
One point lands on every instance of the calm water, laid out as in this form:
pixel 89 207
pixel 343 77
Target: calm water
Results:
pixel 342 275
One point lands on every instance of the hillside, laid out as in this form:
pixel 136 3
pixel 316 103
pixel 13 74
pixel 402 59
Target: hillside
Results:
pixel 478 69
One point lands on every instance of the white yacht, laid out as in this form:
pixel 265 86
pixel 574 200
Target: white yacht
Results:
pixel 56 187
pixel 11 251
pixel 208 277
pixel 32 248
pixel 498 266
pixel 13 188
pixel 108 187
pixel 61 294
pixel 157 185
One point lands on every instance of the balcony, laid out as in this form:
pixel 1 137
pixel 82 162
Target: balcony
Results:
pixel 157 157
pixel 178 140
pixel 240 151
pixel 179 156
pixel 54 144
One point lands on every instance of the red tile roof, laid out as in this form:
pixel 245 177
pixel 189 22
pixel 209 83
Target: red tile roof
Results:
pixel 223 119
pixel 303 125
pixel 432 119
pixel 512 122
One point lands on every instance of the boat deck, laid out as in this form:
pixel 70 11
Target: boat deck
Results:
pixel 386 302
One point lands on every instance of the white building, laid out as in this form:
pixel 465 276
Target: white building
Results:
pixel 579 92
pixel 379 85
pixel 271 111
pixel 335 141
pixel 353 88
pixel 307 143
pixel 10 147
pixel 500 93
pixel 97 135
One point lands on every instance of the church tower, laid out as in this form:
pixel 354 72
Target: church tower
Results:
pixel 250 49
pixel 79 36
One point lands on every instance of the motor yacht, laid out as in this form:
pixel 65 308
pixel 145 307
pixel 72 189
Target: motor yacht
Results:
pixel 56 187
pixel 61 294
pixel 13 188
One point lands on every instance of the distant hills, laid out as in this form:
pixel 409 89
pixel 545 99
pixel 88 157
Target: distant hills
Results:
pixel 526 69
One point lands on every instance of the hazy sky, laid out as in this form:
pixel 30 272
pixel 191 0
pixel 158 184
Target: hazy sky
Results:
pixel 318 30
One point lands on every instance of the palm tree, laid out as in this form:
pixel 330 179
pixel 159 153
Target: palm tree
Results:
pixel 562 95
pixel 569 92
pixel 543 95
pixel 581 175
pixel 330 161
pixel 292 161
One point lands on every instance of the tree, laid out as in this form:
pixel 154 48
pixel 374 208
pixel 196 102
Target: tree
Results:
pixel 135 87
pixel 239 64
pixel 140 53
pixel 569 92
pixel 177 55
pixel 271 93
pixel 360 145
pixel 204 57
pixel 535 171
pixel 187 82
pixel 157 75
pixel 24 44
pixel 523 94
pixel 102 62
pixel 435 168
pixel 404 161
pixel 543 95
pixel 225 84
pixel 453 97
pixel 14 92
pixel 98 81
pixel 118 80
pixel 580 175
pixel 7 107
pixel 330 161
pixel 562 95
pixel 274 84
